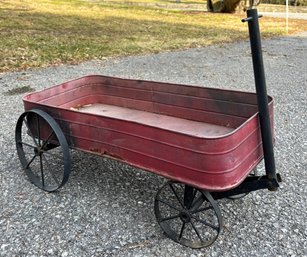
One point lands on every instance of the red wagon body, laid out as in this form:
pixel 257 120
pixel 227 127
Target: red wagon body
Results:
pixel 204 137
pixel 206 141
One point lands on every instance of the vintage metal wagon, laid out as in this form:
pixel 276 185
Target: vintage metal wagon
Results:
pixel 206 141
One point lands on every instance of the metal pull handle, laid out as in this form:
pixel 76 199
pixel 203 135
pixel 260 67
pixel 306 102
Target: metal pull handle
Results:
pixel 262 99
pixel 251 18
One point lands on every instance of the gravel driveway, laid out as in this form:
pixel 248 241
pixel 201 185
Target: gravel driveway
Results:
pixel 106 208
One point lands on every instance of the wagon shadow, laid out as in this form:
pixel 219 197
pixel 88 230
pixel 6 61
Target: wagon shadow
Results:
pixel 113 184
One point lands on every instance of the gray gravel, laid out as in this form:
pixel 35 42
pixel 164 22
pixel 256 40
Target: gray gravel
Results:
pixel 106 208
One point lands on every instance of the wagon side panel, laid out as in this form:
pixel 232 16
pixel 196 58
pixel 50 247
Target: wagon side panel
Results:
pixel 172 155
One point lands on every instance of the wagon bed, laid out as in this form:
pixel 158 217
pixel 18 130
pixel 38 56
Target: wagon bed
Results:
pixel 208 138
pixel 177 125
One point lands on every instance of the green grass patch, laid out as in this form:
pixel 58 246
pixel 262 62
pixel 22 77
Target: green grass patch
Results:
pixel 38 33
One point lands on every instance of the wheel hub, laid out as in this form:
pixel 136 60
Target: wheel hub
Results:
pixel 185 216
pixel 38 151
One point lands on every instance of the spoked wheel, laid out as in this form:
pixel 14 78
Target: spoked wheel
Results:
pixel 189 216
pixel 42 150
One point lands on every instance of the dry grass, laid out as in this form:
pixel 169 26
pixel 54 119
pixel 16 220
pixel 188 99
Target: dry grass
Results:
pixel 36 33
pixel 282 8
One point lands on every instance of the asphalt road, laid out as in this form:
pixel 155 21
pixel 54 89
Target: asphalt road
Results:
pixel 106 208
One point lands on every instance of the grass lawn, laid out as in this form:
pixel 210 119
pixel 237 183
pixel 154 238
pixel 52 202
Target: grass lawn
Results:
pixel 37 33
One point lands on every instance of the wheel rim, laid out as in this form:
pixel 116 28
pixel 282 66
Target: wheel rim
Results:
pixel 42 150
pixel 195 222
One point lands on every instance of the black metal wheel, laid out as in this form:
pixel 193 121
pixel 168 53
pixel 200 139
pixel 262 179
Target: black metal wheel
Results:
pixel 189 216
pixel 42 150
pixel 239 196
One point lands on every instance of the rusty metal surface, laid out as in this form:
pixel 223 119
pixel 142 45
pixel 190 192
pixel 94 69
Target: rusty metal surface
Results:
pixel 165 122
pixel 161 127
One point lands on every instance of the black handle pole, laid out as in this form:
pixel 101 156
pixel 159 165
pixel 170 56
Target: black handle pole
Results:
pixel 262 98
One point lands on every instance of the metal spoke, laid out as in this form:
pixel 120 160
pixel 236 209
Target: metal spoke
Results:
pixel 30 162
pixel 196 230
pixel 170 218
pixel 29 131
pixel 26 144
pixel 169 205
pixel 50 170
pixel 42 170
pixel 174 191
pixel 206 223
pixel 181 230
pixel 46 141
